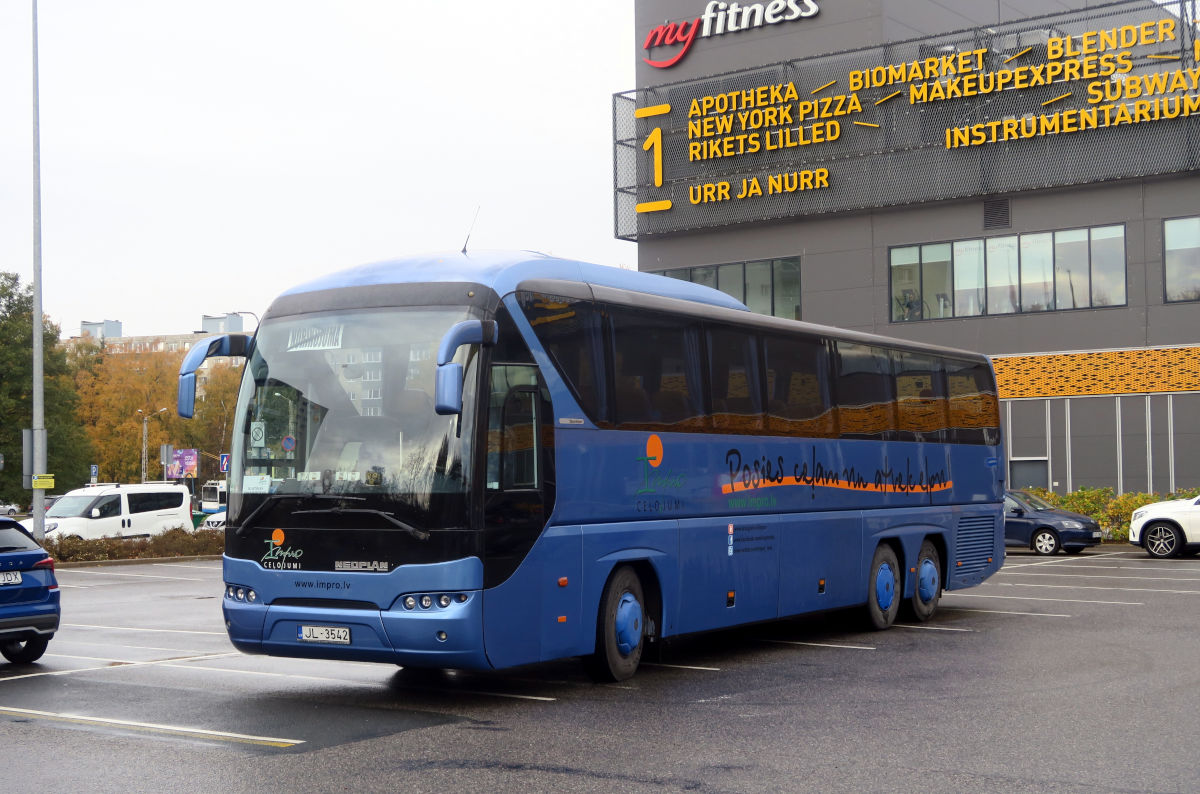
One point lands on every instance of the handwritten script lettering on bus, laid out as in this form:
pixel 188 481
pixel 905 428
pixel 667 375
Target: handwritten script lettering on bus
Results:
pixel 762 472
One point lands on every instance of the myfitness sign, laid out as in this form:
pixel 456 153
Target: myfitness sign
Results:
pixel 675 39
pixel 1109 92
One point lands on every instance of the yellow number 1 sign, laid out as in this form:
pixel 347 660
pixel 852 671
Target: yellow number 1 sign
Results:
pixel 654 145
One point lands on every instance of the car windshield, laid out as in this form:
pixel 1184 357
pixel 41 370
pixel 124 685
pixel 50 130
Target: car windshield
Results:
pixel 1035 501
pixel 340 404
pixel 70 506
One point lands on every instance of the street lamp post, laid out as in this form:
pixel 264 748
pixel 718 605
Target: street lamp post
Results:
pixel 145 431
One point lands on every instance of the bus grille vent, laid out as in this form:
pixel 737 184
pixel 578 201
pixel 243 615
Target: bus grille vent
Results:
pixel 975 544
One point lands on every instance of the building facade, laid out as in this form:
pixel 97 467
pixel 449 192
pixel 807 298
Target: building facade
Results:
pixel 1016 178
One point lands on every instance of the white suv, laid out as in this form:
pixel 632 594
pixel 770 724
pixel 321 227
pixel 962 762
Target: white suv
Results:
pixel 127 511
pixel 1165 529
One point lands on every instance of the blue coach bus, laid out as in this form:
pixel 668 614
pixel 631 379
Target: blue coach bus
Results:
pixel 485 460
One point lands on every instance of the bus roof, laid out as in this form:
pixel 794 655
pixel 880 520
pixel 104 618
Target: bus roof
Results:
pixel 502 271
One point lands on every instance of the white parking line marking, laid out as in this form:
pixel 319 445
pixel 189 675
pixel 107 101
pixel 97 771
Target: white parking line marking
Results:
pixel 114 667
pixel 1172 568
pixel 135 628
pixel 61 641
pixel 423 688
pixel 106 572
pixel 1110 576
pixel 216 566
pixel 823 645
pixel 175 730
pixel 682 667
pixel 1056 600
pixel 1093 587
pixel 929 628
pixel 90 658
pixel 1005 612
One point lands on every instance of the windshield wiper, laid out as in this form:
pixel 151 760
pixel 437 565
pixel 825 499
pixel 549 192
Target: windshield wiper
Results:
pixel 416 532
pixel 274 497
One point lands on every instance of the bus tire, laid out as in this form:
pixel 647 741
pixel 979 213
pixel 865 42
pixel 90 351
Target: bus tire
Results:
pixel 620 627
pixel 883 594
pixel 927 589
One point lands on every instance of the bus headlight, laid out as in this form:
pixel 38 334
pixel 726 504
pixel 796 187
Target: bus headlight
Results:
pixel 410 602
pixel 426 602
pixel 443 600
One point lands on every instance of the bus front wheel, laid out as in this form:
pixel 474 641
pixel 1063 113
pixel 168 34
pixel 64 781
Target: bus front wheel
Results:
pixel 620 627
pixel 883 588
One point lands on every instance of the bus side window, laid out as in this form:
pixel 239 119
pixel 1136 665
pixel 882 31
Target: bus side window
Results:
pixel 798 391
pixel 865 391
pixel 656 371
pixel 920 397
pixel 974 409
pixel 735 385
pixel 519 447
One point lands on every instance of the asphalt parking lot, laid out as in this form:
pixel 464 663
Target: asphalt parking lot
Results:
pixel 1060 674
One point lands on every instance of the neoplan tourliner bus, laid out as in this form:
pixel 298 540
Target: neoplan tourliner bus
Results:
pixel 490 459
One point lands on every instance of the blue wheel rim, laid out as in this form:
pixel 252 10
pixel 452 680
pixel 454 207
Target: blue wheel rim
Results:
pixel 885 586
pixel 927 581
pixel 628 624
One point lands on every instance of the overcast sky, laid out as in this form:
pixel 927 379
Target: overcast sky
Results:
pixel 199 158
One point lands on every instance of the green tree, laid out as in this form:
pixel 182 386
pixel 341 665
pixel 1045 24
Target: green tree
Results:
pixel 68 450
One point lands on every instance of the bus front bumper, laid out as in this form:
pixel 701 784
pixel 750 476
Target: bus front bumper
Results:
pixel 432 637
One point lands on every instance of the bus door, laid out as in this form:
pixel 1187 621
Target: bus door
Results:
pixel 728 571
pixel 516 505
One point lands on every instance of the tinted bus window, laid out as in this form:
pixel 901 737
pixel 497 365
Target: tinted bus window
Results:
pixel 974 410
pixel 865 396
pixel 920 397
pixel 656 372
pixel 735 385
pixel 798 393
pixel 569 332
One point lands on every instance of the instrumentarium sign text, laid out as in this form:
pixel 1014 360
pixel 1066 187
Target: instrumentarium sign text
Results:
pixel 1093 69
pixel 717 20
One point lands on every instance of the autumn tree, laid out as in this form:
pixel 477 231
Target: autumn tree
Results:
pixel 68 450
pixel 120 390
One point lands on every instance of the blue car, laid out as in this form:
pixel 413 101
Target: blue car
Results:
pixel 1034 523
pixel 29 610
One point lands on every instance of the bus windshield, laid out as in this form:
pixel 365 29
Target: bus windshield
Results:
pixel 335 417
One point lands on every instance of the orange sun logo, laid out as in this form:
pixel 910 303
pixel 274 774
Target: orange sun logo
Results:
pixel 277 537
pixel 654 450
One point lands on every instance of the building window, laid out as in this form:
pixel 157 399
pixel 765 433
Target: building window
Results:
pixel 1018 273
pixel 766 286
pixel 1181 241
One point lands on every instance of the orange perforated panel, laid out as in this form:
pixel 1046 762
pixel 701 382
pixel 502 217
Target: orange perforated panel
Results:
pixel 1144 371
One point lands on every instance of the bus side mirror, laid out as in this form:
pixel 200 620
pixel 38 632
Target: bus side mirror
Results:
pixel 448 382
pixel 226 345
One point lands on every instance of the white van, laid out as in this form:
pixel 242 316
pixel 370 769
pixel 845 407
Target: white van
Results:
pixel 128 511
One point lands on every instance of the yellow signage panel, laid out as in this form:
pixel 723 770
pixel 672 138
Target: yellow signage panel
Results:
pixel 43 481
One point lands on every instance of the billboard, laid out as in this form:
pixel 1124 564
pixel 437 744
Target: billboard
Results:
pixel 184 464
pixel 1109 92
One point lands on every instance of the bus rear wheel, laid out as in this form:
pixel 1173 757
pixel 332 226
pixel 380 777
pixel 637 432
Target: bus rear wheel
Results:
pixel 883 596
pixel 928 587
pixel 620 627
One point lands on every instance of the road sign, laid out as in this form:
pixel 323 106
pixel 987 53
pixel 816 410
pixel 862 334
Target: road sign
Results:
pixel 43 481
pixel 224 462
pixel 95 471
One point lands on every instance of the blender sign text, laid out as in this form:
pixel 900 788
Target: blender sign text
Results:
pixel 720 18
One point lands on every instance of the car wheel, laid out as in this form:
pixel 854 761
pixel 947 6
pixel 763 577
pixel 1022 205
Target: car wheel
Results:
pixel 928 587
pixel 1161 541
pixel 883 595
pixel 620 627
pixel 1045 542
pixel 25 652
pixel 12 511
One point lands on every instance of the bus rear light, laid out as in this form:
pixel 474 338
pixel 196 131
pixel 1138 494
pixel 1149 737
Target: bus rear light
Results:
pixel 562 581
pixel 235 593
pixel 461 598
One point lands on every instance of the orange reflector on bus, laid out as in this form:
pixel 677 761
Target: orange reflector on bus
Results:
pixel 562 581
pixel 562 618
pixel 959 563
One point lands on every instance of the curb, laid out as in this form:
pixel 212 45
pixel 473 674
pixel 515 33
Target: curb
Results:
pixel 133 561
